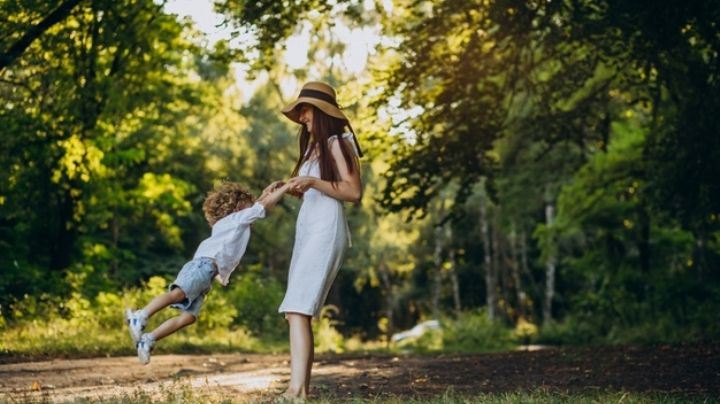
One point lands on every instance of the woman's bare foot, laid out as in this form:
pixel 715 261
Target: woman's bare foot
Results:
pixel 291 397
pixel 300 394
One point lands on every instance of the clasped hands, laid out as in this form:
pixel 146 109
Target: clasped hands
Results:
pixel 296 185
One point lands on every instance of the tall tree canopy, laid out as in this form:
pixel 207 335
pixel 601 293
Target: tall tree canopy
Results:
pixel 550 72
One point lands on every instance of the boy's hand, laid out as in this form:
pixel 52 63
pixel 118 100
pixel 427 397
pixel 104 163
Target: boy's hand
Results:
pixel 270 188
pixel 271 198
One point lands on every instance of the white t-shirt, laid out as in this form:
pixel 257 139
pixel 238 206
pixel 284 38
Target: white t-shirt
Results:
pixel 229 239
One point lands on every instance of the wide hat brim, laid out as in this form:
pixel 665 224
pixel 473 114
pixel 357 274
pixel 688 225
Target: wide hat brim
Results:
pixel 293 113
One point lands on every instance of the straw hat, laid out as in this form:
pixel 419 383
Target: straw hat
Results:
pixel 318 94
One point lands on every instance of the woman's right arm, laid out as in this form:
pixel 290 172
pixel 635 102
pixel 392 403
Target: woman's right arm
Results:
pixel 348 188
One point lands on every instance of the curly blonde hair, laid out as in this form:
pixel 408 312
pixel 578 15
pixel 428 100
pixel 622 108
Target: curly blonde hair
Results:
pixel 226 198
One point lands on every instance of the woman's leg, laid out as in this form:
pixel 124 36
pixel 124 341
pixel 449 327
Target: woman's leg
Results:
pixel 301 354
pixel 308 372
pixel 160 302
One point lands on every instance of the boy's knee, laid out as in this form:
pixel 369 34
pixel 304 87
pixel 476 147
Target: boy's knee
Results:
pixel 177 294
pixel 187 318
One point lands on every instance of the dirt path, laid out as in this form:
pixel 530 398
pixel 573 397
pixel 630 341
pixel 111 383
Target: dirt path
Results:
pixel 692 370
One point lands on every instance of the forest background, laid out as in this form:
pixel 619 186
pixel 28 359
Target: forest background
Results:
pixel 535 171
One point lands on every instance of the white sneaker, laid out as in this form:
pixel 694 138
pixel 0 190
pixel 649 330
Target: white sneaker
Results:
pixel 136 324
pixel 144 347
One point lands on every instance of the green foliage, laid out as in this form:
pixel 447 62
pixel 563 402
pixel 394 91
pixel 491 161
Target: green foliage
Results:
pixel 534 97
pixel 100 117
pixel 327 338
pixel 470 331
pixel 255 297
pixel 475 332
pixel 632 270
pixel 51 325
pixel 117 119
pixel 666 318
pixel 242 318
pixel 430 341
pixel 525 331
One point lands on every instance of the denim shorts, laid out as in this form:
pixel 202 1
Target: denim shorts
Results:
pixel 195 279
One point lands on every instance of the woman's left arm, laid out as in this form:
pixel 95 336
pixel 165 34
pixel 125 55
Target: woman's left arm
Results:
pixel 348 189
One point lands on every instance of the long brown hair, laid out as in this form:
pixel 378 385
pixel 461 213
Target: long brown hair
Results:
pixel 324 126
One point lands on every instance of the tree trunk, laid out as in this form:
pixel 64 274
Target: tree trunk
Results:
pixel 644 239
pixel 490 279
pixel 437 272
pixel 498 263
pixel 455 282
pixel 515 264
pixel 532 285
pixel 115 240
pixel 63 234
pixel 388 292
pixel 549 267
pixel 700 255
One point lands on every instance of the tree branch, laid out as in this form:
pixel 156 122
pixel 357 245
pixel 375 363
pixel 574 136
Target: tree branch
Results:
pixel 17 49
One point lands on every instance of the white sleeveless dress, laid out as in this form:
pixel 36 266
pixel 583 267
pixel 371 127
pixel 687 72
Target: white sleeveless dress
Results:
pixel 321 238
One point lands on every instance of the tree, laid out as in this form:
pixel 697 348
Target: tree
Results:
pixel 13 50
pixel 475 69
pixel 97 117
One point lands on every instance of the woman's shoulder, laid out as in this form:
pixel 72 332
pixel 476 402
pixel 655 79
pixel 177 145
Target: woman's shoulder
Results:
pixel 345 136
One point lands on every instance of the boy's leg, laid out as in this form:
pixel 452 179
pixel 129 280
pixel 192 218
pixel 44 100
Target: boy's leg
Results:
pixel 147 341
pixel 137 319
pixel 187 317
pixel 172 325
pixel 176 295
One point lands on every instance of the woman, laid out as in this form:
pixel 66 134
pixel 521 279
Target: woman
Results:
pixel 327 174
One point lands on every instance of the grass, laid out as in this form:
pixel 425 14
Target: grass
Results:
pixel 178 392
pixel 60 338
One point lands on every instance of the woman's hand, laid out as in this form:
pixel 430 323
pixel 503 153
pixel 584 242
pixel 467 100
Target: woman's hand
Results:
pixel 349 186
pixel 301 184
pixel 270 199
pixel 272 187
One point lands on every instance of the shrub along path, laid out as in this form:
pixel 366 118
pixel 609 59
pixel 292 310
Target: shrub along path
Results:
pixel 691 371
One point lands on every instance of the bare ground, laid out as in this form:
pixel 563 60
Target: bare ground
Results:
pixel 690 371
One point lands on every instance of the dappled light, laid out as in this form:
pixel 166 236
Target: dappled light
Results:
pixel 539 219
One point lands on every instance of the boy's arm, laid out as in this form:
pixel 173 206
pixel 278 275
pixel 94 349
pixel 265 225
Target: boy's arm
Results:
pixel 277 184
pixel 268 200
pixel 272 187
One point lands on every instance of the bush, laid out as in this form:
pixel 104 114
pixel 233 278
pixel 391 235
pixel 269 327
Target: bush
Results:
pixel 256 299
pixel 327 337
pixel 77 325
pixel 570 331
pixel 682 312
pixel 473 331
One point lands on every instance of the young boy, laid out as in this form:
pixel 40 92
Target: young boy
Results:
pixel 230 210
